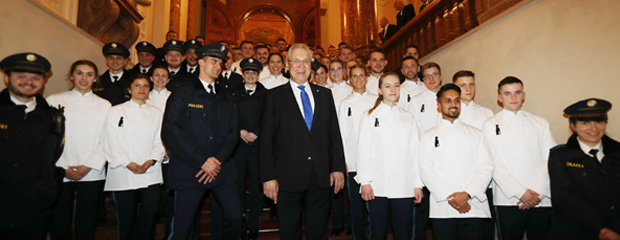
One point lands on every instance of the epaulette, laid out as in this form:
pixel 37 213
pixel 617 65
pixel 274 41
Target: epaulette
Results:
pixel 558 147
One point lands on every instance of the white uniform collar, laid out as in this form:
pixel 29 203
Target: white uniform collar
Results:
pixel 30 106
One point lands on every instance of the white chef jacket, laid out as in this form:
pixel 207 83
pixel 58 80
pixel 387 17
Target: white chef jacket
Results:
pixel 159 99
pixel 450 162
pixel 387 152
pixel 236 67
pixel 474 115
pixel 372 84
pixel 265 73
pixel 349 116
pixel 136 139
pixel 424 109
pixel 272 82
pixel 407 90
pixel 519 144
pixel 340 92
pixel 328 84
pixel 85 117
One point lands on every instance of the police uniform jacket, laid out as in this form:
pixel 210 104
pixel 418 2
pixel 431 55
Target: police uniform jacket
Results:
pixel 451 160
pixel 519 144
pixel 198 125
pixel 30 144
pixel 424 109
pixel 231 83
pixel 132 134
pixel 186 70
pixel 586 192
pixel 85 117
pixel 388 153
pixel 250 108
pixel 114 92
pixel 349 116
pixel 179 79
pixel 408 89
pixel 137 69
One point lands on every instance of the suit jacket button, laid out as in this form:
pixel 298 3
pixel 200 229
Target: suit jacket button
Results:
pixel 210 138
pixel 309 158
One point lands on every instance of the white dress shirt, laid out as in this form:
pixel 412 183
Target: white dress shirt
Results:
pixel 387 152
pixel 349 116
pixel 474 114
pixel 297 93
pixel 119 75
pixel 85 118
pixel 144 70
pixel 424 108
pixel 372 85
pixel 407 90
pixel 135 139
pixel 191 69
pixel 30 106
pixel 206 86
pixel 519 144
pixel 272 82
pixel 340 91
pixel 159 99
pixel 450 162
pixel 586 149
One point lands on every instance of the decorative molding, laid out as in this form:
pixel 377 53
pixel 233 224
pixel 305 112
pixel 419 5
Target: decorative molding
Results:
pixel 110 20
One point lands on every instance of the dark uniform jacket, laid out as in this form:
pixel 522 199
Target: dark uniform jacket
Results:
pixel 136 69
pixel 179 79
pixel 287 149
pixel 250 108
pixel 196 126
pixel 30 145
pixel 231 84
pixel 115 93
pixel 185 71
pixel 585 193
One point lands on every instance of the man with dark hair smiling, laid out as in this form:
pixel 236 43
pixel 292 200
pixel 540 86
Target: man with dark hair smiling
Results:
pixel 455 171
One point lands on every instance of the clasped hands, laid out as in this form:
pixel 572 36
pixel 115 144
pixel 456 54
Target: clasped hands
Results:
pixel 459 201
pixel 76 173
pixel 529 199
pixel 140 169
pixel 271 188
pixel 248 137
pixel 209 170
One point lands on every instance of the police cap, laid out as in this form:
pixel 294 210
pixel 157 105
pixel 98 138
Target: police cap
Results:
pixel 173 45
pixel 27 62
pixel 213 50
pixel 146 47
pixel 114 48
pixel 587 108
pixel 315 64
pixel 192 44
pixel 251 64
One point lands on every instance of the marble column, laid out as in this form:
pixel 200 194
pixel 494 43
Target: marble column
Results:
pixel 175 16
pixel 191 15
pixel 359 23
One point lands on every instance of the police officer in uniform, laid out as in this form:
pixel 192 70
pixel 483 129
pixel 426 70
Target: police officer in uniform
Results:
pixel 146 57
pixel 585 177
pixel 112 83
pixel 174 59
pixel 31 141
pixel 200 132
pixel 190 65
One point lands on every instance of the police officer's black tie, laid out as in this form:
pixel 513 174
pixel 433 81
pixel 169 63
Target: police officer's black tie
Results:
pixel 594 152
pixel 210 87
pixel 143 70
pixel 226 76
pixel 115 78
pixel 250 91
pixel 23 107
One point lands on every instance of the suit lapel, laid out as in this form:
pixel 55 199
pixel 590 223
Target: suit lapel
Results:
pixel 293 105
pixel 319 104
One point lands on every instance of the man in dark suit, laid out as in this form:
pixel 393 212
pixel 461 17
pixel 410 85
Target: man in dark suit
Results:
pixel 388 29
pixel 229 81
pixel 405 13
pixel 113 82
pixel 200 132
pixel 190 65
pixel 300 150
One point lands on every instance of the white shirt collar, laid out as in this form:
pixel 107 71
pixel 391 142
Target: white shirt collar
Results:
pixel 30 106
pixel 586 149
pixel 120 75
pixel 206 86
pixel 75 93
pixel 135 104
pixel 141 68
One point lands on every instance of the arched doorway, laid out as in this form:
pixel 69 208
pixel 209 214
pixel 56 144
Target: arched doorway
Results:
pixel 266 24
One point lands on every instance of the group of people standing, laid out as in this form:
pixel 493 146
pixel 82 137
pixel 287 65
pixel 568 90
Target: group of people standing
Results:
pixel 404 148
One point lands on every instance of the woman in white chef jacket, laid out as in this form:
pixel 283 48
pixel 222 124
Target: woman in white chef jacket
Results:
pixel 83 158
pixel 159 95
pixel 134 152
pixel 387 162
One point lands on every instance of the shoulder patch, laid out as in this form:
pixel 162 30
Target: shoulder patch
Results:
pixel 558 147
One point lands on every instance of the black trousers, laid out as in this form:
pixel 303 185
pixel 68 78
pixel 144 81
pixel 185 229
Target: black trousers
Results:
pixel 357 206
pixel 338 211
pixel 34 231
pixel 84 196
pixel 402 220
pixel 291 205
pixel 131 223
pixel 489 223
pixel 421 218
pixel 186 208
pixel 246 163
pixel 514 223
pixel 458 228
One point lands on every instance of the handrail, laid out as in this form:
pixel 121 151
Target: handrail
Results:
pixel 442 22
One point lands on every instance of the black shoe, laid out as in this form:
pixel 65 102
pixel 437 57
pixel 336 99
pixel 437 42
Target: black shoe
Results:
pixel 253 236
pixel 349 232
pixel 336 232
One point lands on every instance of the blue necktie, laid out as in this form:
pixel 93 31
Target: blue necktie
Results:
pixel 305 102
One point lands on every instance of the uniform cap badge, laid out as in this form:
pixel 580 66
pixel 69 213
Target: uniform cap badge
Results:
pixel 174 42
pixel 143 43
pixel 592 103
pixel 31 57
pixel 251 60
pixel 113 45
pixel 223 48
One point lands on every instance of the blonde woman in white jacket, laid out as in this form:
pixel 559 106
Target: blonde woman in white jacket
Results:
pixel 134 152
pixel 387 164
pixel 83 158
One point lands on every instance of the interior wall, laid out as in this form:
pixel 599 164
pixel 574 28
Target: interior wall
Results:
pixel 331 25
pixel 563 50
pixel 26 27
